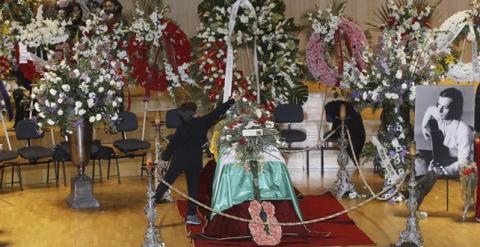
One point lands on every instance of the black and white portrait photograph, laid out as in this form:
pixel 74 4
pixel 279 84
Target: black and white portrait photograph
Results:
pixel 444 120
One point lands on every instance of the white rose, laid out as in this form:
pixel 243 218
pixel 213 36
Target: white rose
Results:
pixel 78 104
pixel 114 117
pixel 66 87
pixel 244 19
pixel 98 117
pixel 101 89
pixel 60 112
pixel 90 103
pixel 82 112
pixel 399 74
pixel 259 113
pixel 91 119
pixel 114 104
pixel 50 122
pixel 76 72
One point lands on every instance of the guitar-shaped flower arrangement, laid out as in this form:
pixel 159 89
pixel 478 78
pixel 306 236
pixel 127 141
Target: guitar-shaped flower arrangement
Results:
pixel 269 233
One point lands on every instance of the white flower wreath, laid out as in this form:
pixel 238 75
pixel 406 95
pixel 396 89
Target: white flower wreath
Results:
pixel 448 32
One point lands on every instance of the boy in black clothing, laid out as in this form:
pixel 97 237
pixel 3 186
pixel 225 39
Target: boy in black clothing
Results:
pixel 185 151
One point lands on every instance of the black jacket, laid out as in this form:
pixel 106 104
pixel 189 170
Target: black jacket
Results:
pixel 185 148
pixel 354 123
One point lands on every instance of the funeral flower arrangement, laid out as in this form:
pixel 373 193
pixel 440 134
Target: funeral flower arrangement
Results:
pixel 279 64
pixel 403 58
pixel 6 45
pixel 13 14
pixel 468 179
pixel 41 31
pixel 160 51
pixel 463 25
pixel 334 37
pixel 85 85
pixel 245 115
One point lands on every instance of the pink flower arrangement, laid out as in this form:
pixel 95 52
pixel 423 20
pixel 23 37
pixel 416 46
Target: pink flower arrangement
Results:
pixel 264 234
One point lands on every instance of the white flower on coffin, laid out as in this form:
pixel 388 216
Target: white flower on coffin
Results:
pixel 91 119
pixel 258 112
pixel 60 112
pixel 270 124
pixel 244 19
pixel 251 124
pixel 50 122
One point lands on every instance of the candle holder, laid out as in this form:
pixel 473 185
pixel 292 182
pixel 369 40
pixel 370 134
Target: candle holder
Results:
pixel 343 184
pixel 152 238
pixel 412 233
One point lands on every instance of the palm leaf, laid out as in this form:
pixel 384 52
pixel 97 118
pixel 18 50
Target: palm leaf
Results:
pixel 299 94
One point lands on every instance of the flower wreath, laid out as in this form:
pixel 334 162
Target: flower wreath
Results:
pixel 159 33
pixel 328 31
pixel 279 65
pixel 448 32
pixel 6 46
pixel 355 41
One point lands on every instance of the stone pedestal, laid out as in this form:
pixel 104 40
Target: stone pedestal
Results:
pixel 81 195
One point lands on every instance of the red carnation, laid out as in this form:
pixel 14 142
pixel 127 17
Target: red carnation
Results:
pixel 468 171
pixel 242 141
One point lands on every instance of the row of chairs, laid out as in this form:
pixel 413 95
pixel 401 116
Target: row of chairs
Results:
pixel 290 114
pixel 34 154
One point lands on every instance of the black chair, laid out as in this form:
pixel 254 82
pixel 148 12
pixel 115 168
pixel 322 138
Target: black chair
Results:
pixel 8 157
pixel 289 114
pixel 34 154
pixel 130 147
pixel 6 160
pixel 107 153
pixel 172 121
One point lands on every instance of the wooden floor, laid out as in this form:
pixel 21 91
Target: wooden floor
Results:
pixel 39 216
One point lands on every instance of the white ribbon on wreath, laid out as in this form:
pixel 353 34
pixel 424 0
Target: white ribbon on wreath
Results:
pixel 446 35
pixel 227 90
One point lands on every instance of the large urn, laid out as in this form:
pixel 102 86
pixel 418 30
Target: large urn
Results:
pixel 81 195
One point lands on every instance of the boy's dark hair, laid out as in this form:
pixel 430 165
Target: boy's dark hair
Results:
pixel 456 107
pixel 187 110
pixel 188 106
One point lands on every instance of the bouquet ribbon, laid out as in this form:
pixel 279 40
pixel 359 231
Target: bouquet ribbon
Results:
pixel 227 90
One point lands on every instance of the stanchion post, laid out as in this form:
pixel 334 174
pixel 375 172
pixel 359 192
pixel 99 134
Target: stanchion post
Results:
pixel 152 238
pixel 412 233
pixel 343 184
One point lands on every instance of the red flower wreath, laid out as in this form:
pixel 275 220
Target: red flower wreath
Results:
pixel 355 41
pixel 213 66
pixel 5 67
pixel 178 51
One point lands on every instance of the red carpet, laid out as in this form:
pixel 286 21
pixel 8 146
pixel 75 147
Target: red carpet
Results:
pixel 343 230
